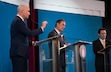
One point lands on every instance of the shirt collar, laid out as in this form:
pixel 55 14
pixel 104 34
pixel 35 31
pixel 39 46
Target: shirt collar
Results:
pixel 20 17
pixel 101 39
pixel 57 31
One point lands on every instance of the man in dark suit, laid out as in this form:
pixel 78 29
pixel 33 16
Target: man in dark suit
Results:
pixel 99 44
pixel 59 27
pixel 19 51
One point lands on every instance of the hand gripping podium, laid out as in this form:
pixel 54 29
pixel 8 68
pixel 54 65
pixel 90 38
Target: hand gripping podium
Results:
pixel 79 50
pixel 105 51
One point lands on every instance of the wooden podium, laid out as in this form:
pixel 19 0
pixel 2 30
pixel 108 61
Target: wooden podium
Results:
pixel 105 51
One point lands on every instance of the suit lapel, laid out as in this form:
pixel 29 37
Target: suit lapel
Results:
pixel 61 39
pixel 100 44
pixel 55 32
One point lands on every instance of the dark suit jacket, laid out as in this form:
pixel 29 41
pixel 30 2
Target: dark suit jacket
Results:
pixel 99 58
pixel 19 42
pixel 62 52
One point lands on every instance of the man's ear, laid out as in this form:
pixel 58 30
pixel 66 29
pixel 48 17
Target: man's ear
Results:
pixel 57 24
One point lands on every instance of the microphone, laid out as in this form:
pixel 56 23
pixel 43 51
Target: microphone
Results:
pixel 62 35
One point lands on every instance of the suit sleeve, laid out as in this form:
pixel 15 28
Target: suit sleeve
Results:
pixel 26 31
pixel 95 47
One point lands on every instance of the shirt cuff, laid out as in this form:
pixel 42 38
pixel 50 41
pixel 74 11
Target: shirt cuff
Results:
pixel 42 28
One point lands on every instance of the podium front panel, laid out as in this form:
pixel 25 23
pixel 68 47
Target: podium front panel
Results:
pixel 48 54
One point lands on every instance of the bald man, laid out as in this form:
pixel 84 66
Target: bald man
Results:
pixel 19 51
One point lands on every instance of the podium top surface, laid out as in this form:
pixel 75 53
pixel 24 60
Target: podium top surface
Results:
pixel 105 49
pixel 82 42
pixel 45 40
pixel 77 42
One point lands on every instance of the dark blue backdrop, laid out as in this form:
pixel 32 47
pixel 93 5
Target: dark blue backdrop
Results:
pixel 7 13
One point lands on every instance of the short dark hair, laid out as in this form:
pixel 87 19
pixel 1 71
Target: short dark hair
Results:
pixel 101 29
pixel 58 21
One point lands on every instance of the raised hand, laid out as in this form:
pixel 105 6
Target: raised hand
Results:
pixel 44 23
